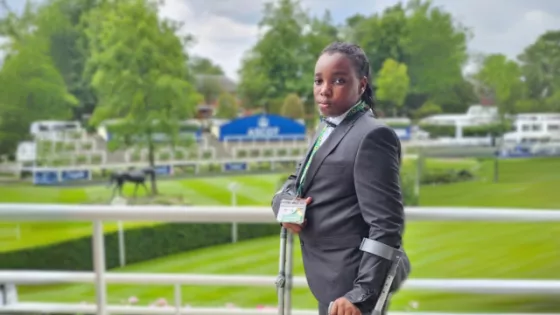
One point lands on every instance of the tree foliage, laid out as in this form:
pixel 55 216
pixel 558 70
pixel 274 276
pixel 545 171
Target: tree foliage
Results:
pixel 30 91
pixel 293 107
pixel 503 77
pixel 121 60
pixel 227 106
pixel 201 65
pixel 136 78
pixel 393 83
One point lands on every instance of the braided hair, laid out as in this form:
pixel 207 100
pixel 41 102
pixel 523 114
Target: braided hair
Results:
pixel 361 64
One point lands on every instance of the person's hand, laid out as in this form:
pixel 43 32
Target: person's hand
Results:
pixel 344 307
pixel 296 228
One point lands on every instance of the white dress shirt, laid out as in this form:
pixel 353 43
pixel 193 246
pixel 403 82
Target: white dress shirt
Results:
pixel 336 121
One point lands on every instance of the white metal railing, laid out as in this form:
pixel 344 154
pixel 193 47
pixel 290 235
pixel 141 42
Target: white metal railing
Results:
pixel 483 286
pixel 215 214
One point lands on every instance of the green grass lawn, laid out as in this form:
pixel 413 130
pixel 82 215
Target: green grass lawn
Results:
pixel 522 183
pixel 254 190
pixel 437 250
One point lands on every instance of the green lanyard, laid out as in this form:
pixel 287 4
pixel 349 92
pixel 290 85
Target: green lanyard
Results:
pixel 359 108
pixel 313 151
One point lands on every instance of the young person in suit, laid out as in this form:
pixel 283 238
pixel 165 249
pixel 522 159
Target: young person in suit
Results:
pixel 350 182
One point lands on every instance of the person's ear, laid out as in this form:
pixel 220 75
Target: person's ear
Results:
pixel 363 84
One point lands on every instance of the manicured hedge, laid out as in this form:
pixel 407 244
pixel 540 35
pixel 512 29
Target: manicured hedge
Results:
pixel 495 129
pixel 141 244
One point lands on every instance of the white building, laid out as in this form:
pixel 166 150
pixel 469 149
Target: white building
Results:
pixel 54 130
pixel 476 115
pixel 535 133
pixel 534 127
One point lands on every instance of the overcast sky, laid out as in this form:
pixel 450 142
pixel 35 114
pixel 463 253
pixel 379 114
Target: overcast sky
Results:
pixel 225 29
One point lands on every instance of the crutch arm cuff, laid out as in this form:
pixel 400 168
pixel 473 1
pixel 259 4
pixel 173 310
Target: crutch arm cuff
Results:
pixel 380 249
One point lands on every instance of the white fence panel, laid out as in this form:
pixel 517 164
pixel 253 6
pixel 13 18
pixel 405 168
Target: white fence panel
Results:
pixel 213 214
pixel 481 286
pixel 228 214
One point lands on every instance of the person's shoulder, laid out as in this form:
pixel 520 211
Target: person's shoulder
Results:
pixel 370 125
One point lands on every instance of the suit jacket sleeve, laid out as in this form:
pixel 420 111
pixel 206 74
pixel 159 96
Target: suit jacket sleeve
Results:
pixel 377 182
pixel 288 190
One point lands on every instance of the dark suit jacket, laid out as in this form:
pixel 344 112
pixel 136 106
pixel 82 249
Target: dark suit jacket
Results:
pixel 354 184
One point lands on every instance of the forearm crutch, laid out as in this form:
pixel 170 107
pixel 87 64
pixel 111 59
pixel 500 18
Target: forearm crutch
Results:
pixel 285 277
pixel 386 252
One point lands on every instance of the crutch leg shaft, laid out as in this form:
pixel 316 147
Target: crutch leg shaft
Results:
pixel 289 275
pixel 281 279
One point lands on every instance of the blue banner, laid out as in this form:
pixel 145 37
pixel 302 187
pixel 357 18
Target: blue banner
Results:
pixel 75 175
pixel 262 127
pixel 240 166
pixel 164 170
pixel 45 177
pixel 404 133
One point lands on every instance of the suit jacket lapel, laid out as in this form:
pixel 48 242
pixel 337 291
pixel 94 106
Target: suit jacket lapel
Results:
pixel 328 146
pixel 309 148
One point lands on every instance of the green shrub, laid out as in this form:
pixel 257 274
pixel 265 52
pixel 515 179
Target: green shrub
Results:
pixel 408 183
pixel 141 244
pixel 446 177
pixel 494 129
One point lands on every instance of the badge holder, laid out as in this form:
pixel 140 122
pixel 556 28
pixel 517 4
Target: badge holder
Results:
pixel 290 211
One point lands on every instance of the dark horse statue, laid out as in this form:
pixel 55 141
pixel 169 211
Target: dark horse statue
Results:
pixel 137 177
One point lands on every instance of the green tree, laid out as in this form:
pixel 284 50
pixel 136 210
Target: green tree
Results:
pixel 201 65
pixel 552 103
pixel 393 84
pixel 435 47
pixel 273 67
pixel 58 21
pixel 16 27
pixel 503 78
pixel 425 38
pixel 320 33
pixel 427 109
pixel 541 66
pixel 293 107
pixel 379 35
pixel 210 87
pixel 135 56
pixel 227 106
pixel 32 89
pixel 458 98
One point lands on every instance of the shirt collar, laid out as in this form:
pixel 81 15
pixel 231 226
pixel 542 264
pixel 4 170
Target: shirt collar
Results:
pixel 338 119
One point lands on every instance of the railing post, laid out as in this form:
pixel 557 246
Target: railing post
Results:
pixel 178 299
pixel 99 267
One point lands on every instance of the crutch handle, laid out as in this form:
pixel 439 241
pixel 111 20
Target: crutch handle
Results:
pixel 330 308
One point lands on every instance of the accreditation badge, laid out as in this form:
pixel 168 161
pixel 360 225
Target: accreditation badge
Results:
pixel 292 211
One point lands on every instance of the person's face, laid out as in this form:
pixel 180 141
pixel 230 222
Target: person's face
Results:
pixel 337 86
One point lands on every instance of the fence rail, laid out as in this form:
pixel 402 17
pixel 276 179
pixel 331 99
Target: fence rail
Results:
pixel 228 214
pixel 481 286
pixel 42 308
pixel 213 214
